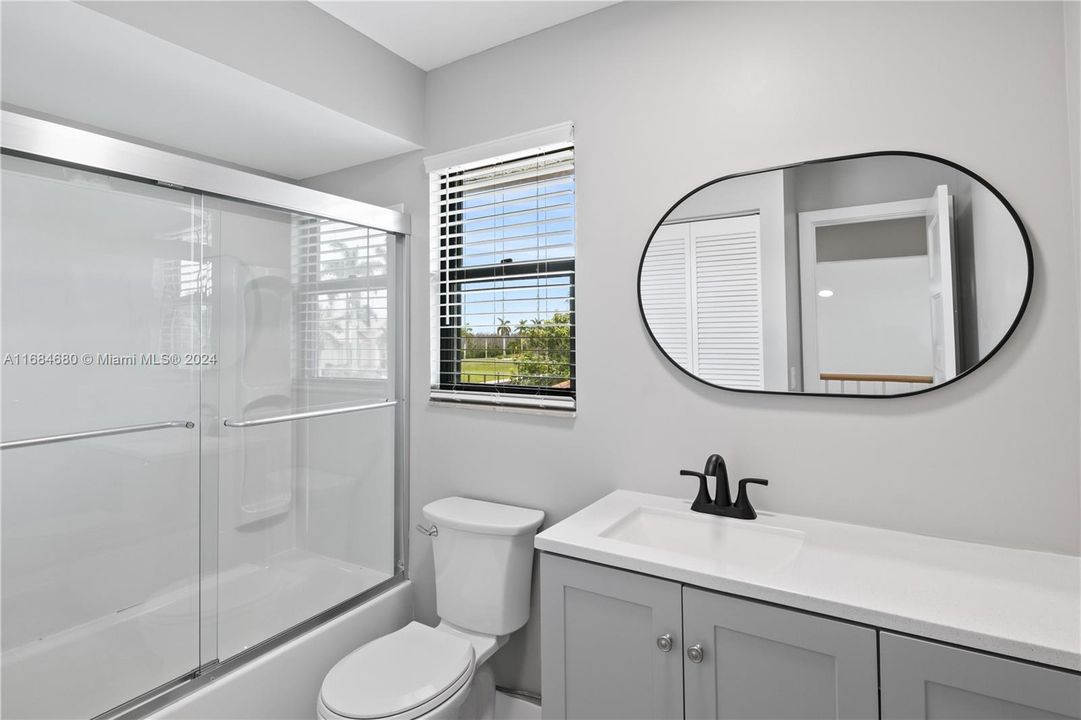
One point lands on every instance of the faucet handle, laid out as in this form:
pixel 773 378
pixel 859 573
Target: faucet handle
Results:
pixel 743 502
pixel 703 499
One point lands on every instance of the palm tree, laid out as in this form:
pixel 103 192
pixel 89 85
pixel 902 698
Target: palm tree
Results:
pixel 503 330
pixel 523 335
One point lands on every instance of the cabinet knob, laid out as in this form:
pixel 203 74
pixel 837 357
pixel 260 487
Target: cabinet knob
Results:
pixel 695 653
pixel 664 642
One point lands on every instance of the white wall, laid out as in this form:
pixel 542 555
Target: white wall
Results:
pixel 1072 21
pixel 996 255
pixel 764 84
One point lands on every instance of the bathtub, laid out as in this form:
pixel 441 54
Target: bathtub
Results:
pixel 283 683
pixel 97 663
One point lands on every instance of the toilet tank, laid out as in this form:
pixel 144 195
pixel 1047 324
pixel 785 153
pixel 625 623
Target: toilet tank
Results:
pixel 483 563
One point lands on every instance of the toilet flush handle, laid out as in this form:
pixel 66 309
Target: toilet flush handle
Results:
pixel 433 531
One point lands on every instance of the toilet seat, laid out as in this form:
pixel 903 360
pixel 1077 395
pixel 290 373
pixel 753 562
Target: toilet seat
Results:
pixel 399 676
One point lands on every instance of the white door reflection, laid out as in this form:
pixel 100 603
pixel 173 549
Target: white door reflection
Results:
pixel 878 311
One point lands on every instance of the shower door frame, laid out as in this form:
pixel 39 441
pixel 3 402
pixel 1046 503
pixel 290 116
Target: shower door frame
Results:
pixel 45 141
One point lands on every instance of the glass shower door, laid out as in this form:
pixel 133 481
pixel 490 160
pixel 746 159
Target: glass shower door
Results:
pixel 102 303
pixel 302 413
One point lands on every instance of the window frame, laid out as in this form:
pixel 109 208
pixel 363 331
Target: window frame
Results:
pixel 452 275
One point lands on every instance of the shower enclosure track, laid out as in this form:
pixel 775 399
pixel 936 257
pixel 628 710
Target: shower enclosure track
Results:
pixel 121 430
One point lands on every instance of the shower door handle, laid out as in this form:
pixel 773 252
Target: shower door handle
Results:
pixel 310 414
pixel 121 430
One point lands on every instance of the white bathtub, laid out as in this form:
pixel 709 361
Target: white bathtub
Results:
pixel 98 663
pixel 283 683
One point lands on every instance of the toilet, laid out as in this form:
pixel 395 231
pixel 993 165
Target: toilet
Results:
pixel 483 569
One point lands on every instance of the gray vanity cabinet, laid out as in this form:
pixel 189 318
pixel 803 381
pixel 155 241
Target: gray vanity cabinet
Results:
pixel 616 644
pixel 923 679
pixel 762 661
pixel 604 634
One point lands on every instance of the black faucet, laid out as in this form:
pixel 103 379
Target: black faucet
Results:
pixel 723 505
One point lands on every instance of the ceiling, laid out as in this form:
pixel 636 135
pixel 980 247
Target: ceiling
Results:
pixel 432 34
pixel 68 61
pixel 123 74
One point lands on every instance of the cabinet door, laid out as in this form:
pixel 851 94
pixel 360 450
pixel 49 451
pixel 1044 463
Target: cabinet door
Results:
pixel 599 650
pixel 762 661
pixel 922 679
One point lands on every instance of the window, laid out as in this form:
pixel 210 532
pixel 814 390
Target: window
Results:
pixel 340 276
pixel 503 246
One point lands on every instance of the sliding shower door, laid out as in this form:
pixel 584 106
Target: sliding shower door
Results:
pixel 101 293
pixel 302 394
pixel 202 429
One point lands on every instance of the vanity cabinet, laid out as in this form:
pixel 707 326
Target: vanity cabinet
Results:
pixel 762 661
pixel 604 636
pixel 923 679
pixel 618 644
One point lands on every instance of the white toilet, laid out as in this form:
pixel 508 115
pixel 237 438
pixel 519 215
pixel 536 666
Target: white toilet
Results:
pixel 483 569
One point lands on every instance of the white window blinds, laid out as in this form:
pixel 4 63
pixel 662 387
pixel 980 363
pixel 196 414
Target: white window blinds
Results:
pixel 665 287
pixel 503 247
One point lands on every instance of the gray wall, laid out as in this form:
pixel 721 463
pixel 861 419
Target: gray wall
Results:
pixel 668 96
pixel 293 45
pixel 863 181
pixel 1072 21
pixel 864 240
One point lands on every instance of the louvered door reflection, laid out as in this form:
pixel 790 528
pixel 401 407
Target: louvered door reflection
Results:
pixel 665 288
pixel 701 289
pixel 727 301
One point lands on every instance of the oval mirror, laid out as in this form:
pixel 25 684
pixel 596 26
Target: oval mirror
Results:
pixel 882 274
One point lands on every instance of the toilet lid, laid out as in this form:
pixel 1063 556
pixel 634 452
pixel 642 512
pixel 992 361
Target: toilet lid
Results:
pixel 397 672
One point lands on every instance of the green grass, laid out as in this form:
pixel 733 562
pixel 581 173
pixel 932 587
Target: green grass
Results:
pixel 474 371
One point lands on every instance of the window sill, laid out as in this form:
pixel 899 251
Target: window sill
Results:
pixel 558 407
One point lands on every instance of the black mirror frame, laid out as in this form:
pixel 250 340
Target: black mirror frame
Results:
pixel 901 153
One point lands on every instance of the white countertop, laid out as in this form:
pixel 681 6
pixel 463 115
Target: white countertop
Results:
pixel 1020 603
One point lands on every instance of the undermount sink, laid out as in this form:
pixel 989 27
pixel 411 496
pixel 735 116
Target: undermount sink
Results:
pixel 725 540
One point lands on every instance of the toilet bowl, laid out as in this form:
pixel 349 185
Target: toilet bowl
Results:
pixel 484 563
pixel 414 672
